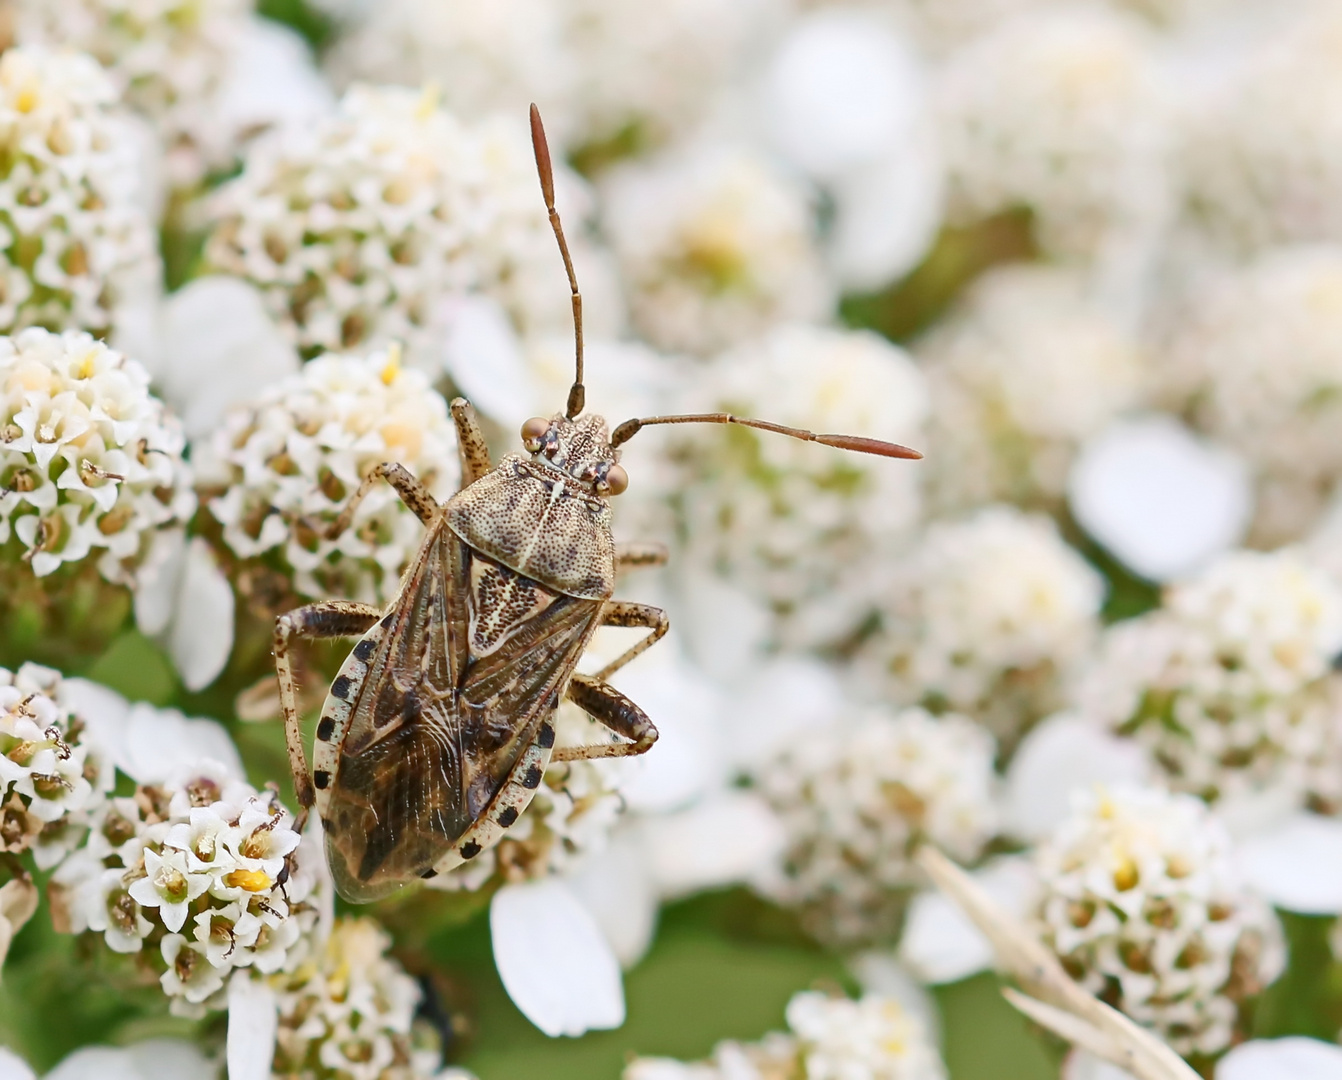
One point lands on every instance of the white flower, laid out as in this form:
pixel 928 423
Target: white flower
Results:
pixel 856 798
pixel 179 62
pixel 715 245
pixel 352 1009
pixel 168 886
pixel 53 776
pixel 1141 901
pixel 206 858
pixel 1230 684
pixel 1254 357
pixel 804 530
pixel 873 1038
pixel 1028 367
pixel 358 227
pixel 90 460
pixel 987 616
pixel 18 903
pixel 1292 1058
pixel 77 244
pixel 553 959
pixel 1062 112
pixel 152 1059
pixel 291 461
pixel 1162 500
pixel 844 101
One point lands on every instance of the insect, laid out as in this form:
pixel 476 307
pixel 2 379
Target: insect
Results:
pixel 440 725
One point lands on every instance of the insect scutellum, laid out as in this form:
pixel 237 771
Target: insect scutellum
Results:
pixel 582 447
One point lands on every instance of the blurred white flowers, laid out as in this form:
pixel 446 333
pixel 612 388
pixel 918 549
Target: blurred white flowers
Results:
pixel 77 241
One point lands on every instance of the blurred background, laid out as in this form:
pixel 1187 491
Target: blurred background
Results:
pixel 1085 256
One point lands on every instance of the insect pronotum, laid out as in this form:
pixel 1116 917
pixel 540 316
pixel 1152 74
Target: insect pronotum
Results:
pixel 440 725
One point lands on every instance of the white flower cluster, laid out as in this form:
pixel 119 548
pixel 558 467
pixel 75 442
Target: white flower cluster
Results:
pixel 359 227
pixel 611 75
pixel 857 797
pixel 349 1014
pixel 1062 113
pixel 1259 157
pixel 988 616
pixel 200 875
pixel 289 464
pixel 572 813
pixel 75 241
pixel 715 246
pixel 804 530
pixel 1256 359
pixel 1142 903
pixel 51 781
pixel 169 55
pixel 1230 684
pixel 1025 372
pixel 829 1038
pixel 89 460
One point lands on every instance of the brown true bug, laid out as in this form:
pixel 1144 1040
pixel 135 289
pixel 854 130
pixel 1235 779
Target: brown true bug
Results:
pixel 440 725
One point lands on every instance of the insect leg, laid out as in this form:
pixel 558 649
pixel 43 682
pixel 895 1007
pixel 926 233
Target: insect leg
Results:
pixel 471 442
pixel 628 613
pixel 639 553
pixel 414 494
pixel 606 705
pixel 328 619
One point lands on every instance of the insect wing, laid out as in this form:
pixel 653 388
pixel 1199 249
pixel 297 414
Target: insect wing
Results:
pixel 460 673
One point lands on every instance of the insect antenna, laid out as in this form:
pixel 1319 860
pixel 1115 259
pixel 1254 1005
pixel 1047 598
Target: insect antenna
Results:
pixel 577 395
pixel 857 443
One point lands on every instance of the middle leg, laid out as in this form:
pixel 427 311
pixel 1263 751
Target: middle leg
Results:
pixel 328 619
pixel 629 613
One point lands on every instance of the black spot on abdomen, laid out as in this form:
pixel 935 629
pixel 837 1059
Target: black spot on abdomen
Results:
pixel 340 688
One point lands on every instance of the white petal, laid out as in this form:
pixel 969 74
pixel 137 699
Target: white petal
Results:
pixel 95 1063
pixel 200 638
pixel 725 628
pixel 218 348
pixel 554 962
pixel 1079 1065
pixel 160 741
pixel 270 81
pixel 157 581
pixel 253 1019
pixel 168 1059
pixel 1292 1058
pixel 482 354
pixel 13 1067
pixel 886 215
pixel 106 714
pixel 730 837
pixel 842 87
pixel 1298 866
pixel 1062 755
pixel 1159 498
pixel 940 944
pixel 614 884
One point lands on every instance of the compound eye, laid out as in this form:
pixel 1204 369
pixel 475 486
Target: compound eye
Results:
pixel 617 480
pixel 533 431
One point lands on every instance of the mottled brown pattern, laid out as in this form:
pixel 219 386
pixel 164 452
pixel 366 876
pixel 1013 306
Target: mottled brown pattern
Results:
pixel 437 726
pixel 540 522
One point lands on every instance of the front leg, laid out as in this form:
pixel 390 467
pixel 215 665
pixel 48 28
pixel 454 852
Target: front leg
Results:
pixel 606 705
pixel 414 494
pixel 470 442
pixel 629 613
pixel 328 619
pixel 638 553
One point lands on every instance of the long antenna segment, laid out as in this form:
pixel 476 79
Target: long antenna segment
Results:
pixel 858 443
pixel 577 395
